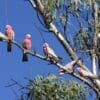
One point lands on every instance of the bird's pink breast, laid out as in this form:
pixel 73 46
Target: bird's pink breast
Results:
pixel 27 44
pixel 9 33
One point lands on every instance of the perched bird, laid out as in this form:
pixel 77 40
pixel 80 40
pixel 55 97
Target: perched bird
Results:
pixel 27 46
pixel 3 37
pixel 68 67
pixel 86 74
pixel 50 54
pixel 10 35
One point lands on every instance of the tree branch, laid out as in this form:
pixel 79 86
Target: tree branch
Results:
pixel 94 56
pixel 52 28
pixel 45 59
pixel 67 47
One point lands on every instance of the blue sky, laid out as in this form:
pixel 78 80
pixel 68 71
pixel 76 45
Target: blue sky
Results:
pixel 21 16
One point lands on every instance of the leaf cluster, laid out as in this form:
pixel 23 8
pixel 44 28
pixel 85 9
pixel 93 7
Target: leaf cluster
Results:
pixel 55 88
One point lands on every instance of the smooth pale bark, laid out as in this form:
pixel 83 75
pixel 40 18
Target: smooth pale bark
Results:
pixel 64 43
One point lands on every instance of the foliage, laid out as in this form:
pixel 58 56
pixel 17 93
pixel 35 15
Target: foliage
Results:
pixel 55 88
pixel 67 15
pixel 63 11
pixel 79 20
pixel 51 6
pixel 83 40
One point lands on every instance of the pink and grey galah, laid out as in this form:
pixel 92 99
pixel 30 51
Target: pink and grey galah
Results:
pixel 86 74
pixel 27 46
pixel 50 54
pixel 10 35
pixel 68 67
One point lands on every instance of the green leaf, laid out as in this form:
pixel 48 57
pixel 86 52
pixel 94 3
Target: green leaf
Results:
pixel 55 88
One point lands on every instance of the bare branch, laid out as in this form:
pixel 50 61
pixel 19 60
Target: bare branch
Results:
pixel 52 28
pixel 87 82
pixel 15 93
pixel 57 64
pixel 18 84
pixel 95 18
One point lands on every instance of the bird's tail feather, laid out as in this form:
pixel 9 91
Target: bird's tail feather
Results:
pixel 59 57
pixel 9 46
pixel 25 57
pixel 56 59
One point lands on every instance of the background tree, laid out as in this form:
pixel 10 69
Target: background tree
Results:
pixel 57 15
pixel 52 87
pixel 73 20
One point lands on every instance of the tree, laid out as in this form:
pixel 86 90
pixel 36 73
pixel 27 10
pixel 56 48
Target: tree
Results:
pixel 54 88
pixel 56 17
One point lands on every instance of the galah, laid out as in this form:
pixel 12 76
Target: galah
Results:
pixel 50 54
pixel 86 74
pixel 27 46
pixel 3 37
pixel 68 67
pixel 10 35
